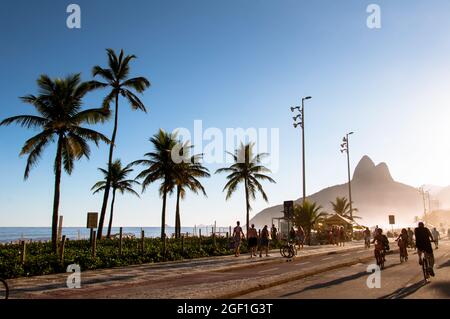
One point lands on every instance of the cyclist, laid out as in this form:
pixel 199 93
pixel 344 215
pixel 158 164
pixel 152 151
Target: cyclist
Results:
pixel 402 240
pixel 367 237
pixel 436 236
pixel 379 241
pixel 423 244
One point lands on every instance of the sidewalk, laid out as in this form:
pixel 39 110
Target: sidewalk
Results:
pixel 154 274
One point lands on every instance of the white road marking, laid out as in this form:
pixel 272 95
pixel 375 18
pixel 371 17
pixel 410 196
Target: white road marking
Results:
pixel 327 258
pixel 267 270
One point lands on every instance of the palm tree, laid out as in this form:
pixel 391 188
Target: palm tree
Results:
pixel 116 77
pixel 341 206
pixel 186 178
pixel 60 118
pixel 307 215
pixel 119 182
pixel 247 169
pixel 159 166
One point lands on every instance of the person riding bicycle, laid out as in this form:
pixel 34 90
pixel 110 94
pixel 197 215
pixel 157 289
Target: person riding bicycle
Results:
pixel 402 240
pixel 423 244
pixel 381 243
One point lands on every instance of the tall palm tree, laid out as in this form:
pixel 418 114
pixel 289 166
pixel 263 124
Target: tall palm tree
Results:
pixel 187 173
pixel 119 182
pixel 248 169
pixel 308 215
pixel 341 206
pixel 60 118
pixel 116 77
pixel 160 166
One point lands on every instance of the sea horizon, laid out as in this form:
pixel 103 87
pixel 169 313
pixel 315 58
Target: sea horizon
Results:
pixel 36 233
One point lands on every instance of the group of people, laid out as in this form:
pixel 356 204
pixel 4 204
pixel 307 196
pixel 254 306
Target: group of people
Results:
pixel 337 235
pixel 255 239
pixel 297 236
pixel 420 239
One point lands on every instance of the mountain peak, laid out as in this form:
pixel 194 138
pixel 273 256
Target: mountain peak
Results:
pixel 367 171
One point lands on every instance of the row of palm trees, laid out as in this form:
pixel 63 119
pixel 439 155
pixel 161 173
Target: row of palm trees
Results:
pixel 60 119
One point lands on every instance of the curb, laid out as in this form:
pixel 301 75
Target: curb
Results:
pixel 281 281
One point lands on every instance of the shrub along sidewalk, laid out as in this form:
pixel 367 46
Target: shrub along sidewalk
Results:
pixel 39 259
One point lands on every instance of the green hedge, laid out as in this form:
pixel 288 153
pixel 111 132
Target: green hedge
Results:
pixel 41 261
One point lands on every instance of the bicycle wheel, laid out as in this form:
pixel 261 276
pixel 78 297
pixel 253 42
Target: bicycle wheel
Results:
pixel 4 290
pixel 287 252
pixel 426 276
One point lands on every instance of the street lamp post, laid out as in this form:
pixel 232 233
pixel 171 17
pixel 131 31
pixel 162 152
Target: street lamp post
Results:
pixel 345 147
pixel 301 123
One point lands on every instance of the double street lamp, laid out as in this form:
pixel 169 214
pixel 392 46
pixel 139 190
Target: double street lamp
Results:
pixel 299 121
pixel 345 148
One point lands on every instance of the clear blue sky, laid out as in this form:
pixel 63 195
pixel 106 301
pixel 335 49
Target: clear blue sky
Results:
pixel 234 64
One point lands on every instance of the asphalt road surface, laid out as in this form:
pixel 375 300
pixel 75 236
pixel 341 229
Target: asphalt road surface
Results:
pixel 318 272
pixel 398 280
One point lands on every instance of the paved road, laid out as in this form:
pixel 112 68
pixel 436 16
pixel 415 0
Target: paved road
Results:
pixel 206 278
pixel 398 280
pixel 318 272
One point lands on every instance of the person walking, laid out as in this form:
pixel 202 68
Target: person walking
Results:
pixel 330 236
pixel 410 237
pixel 367 237
pixel 436 236
pixel 336 235
pixel 342 236
pixel 252 240
pixel 238 234
pixel 264 241
pixel 273 232
pixel 300 237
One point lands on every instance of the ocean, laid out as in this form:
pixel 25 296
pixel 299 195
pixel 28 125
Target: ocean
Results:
pixel 13 234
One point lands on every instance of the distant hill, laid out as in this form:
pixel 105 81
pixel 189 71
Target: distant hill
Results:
pixel 443 196
pixel 374 193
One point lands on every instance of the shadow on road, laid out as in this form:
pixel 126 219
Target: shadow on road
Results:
pixel 443 265
pixel 328 283
pixel 335 281
pixel 404 292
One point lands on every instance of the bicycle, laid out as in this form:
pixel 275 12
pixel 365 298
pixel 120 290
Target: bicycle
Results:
pixel 4 289
pixel 288 250
pixel 403 251
pixel 380 254
pixel 426 266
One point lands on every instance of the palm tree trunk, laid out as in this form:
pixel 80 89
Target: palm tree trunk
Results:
pixel 163 216
pixel 112 212
pixel 108 179
pixel 177 215
pixel 56 195
pixel 248 208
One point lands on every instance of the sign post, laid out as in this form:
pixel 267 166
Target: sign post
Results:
pixel 392 222
pixel 92 222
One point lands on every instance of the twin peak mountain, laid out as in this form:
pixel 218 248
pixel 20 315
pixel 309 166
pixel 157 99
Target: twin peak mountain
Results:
pixel 374 193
